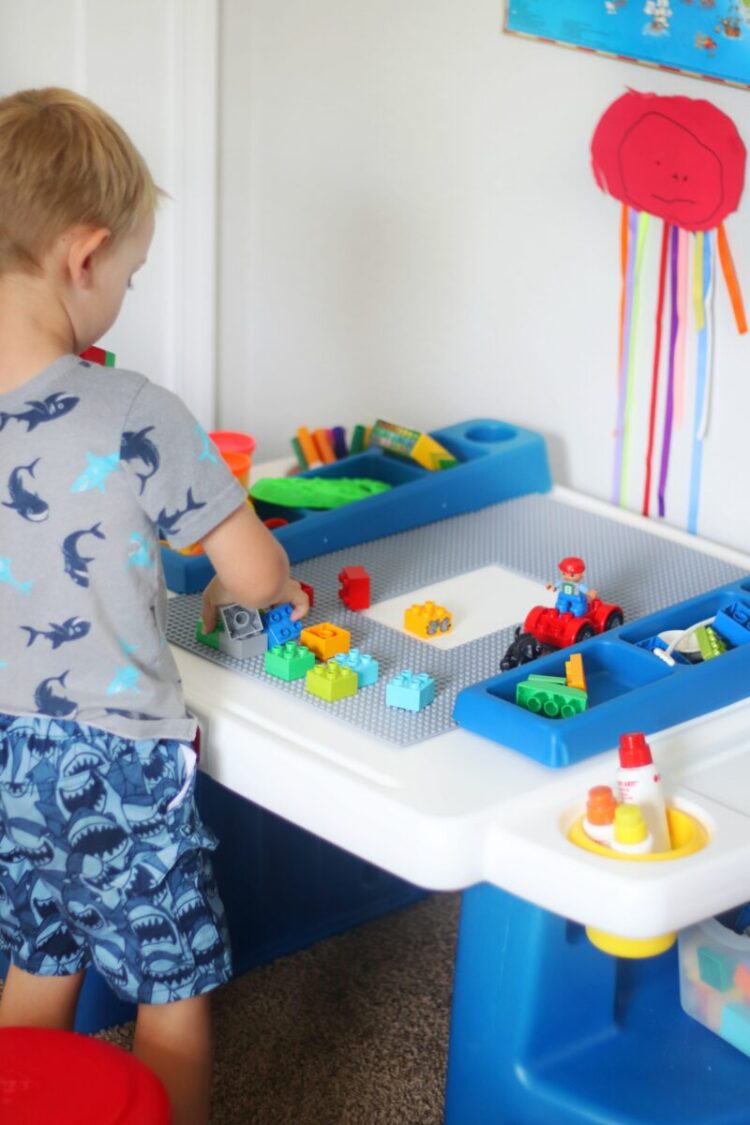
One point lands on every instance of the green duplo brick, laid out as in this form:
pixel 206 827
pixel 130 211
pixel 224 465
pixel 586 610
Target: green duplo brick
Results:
pixel 290 661
pixel 556 701
pixel 709 642
pixel 210 639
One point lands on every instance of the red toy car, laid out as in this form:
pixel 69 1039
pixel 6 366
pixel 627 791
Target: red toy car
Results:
pixel 546 629
pixel 550 627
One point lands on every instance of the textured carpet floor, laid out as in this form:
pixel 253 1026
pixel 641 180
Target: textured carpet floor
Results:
pixel 353 1031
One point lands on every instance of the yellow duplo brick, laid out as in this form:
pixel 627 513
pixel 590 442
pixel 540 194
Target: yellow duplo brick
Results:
pixel 427 620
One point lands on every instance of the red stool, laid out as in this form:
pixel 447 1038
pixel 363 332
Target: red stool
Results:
pixel 69 1079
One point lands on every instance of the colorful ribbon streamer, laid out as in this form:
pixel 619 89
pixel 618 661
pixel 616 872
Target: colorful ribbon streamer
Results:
pixel 683 287
pixel 638 233
pixel 655 366
pixel 669 403
pixel 705 266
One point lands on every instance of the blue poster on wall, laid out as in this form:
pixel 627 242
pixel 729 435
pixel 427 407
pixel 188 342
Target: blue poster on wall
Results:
pixel 709 38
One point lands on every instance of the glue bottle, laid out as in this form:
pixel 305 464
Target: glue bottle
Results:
pixel 639 783
pixel 599 821
pixel 631 836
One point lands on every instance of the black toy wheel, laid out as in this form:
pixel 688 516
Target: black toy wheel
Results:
pixel 584 633
pixel 614 620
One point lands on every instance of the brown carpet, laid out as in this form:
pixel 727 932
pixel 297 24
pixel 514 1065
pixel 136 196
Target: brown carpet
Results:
pixel 353 1031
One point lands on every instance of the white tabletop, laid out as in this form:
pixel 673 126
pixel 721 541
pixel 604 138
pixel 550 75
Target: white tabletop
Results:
pixel 457 809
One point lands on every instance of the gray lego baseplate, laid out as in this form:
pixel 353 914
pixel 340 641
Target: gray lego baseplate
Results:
pixel 639 571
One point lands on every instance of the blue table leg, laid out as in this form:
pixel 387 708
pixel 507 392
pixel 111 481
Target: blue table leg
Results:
pixel 546 1029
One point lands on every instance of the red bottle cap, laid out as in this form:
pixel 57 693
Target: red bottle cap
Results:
pixel 634 751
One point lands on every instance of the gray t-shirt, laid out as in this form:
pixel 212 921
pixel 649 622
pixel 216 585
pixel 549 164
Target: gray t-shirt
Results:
pixel 92 461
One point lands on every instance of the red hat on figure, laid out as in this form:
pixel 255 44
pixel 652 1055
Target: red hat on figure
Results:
pixel 572 565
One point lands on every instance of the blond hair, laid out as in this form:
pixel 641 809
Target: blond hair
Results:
pixel 64 162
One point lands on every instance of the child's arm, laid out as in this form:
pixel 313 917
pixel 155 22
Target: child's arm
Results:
pixel 251 568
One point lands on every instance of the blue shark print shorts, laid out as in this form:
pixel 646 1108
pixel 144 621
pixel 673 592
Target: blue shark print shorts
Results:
pixel 104 861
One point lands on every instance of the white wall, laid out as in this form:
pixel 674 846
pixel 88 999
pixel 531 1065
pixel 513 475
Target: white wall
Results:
pixel 410 229
pixel 152 65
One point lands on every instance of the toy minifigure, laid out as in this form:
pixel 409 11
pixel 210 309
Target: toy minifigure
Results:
pixel 573 595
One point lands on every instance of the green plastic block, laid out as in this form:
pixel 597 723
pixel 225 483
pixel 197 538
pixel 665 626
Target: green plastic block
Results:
pixel 715 969
pixel 316 492
pixel 331 682
pixel 290 661
pixel 210 639
pixel 555 701
pixel 709 642
pixel 537 679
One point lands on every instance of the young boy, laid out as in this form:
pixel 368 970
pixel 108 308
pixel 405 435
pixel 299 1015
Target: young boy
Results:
pixel 103 858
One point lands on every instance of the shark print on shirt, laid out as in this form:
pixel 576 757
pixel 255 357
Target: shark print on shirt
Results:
pixel 28 504
pixel 96 472
pixel 92 461
pixel 76 564
pixel 54 406
pixel 138 447
pixel 169 525
pixel 71 630
pixel 49 702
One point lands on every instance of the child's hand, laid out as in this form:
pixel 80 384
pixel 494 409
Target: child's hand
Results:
pixel 294 593
pixel 214 595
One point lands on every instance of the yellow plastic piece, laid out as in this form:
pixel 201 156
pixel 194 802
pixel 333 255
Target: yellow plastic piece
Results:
pixel 428 620
pixel 429 453
pixel 332 681
pixel 574 674
pixel 687 836
pixel 634 948
pixel 630 827
pixel 325 640
pixel 686 833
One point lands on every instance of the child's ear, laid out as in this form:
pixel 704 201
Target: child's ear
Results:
pixel 82 246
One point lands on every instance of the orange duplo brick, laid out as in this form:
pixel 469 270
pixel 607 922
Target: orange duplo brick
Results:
pixel 325 640
pixel 574 674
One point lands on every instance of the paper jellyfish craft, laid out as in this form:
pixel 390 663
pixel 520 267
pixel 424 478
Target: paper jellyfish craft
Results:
pixel 680 160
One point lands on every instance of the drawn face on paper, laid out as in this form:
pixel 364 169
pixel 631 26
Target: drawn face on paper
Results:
pixel 667 171
pixel 678 158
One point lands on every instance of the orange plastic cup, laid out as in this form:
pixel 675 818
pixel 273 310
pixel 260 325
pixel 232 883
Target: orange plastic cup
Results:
pixel 232 441
pixel 239 465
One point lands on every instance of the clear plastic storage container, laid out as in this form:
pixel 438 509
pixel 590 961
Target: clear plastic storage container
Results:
pixel 715 980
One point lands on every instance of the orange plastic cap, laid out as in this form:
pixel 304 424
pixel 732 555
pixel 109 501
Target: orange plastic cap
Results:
pixel 600 805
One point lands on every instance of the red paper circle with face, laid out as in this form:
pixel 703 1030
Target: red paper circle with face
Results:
pixel 680 159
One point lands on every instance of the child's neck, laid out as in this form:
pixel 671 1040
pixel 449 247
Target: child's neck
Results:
pixel 34 331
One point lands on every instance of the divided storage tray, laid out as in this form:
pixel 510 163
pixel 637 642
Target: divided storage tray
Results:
pixel 497 462
pixel 629 688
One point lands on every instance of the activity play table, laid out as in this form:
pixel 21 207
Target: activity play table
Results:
pixel 545 1028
